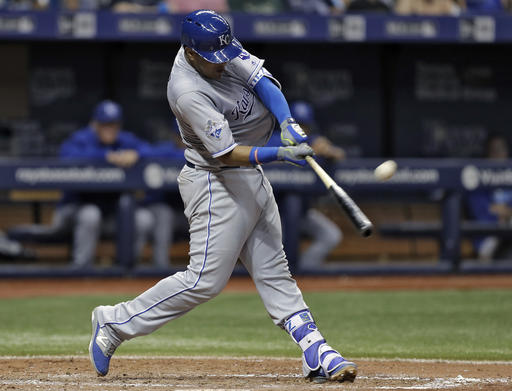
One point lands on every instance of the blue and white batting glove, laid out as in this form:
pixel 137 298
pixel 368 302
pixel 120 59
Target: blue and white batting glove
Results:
pixel 292 133
pixel 295 154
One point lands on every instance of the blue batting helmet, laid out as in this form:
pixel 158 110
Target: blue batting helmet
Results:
pixel 209 35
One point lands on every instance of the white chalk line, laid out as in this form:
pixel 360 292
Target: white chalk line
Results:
pixel 256 359
pixel 428 383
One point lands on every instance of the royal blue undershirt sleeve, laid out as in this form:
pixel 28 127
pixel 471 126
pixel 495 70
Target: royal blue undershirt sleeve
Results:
pixel 273 99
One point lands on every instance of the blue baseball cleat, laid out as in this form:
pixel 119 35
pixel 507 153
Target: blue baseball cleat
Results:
pixel 333 367
pixel 100 347
pixel 320 362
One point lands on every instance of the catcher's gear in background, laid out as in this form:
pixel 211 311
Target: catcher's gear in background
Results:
pixel 209 35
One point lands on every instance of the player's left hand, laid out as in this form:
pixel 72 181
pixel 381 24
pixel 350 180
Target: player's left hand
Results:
pixel 292 133
pixel 295 154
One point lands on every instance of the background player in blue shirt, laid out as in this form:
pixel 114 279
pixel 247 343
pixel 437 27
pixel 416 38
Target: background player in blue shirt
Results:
pixel 90 213
pixel 325 234
pixel 493 206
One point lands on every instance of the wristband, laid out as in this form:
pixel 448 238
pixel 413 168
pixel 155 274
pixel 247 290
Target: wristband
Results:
pixel 259 155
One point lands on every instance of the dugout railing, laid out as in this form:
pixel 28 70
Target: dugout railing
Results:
pixel 448 178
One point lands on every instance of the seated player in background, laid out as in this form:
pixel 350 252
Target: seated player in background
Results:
pixel 493 206
pixel 89 214
pixel 325 234
pixel 166 207
pixel 12 250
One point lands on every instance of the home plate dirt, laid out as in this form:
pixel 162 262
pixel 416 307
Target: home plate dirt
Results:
pixel 204 373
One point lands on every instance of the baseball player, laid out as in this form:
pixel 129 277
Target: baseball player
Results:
pixel 226 104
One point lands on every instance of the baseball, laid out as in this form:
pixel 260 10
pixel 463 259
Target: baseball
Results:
pixel 385 170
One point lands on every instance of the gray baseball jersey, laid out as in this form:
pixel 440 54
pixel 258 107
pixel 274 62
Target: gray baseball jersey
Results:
pixel 232 212
pixel 216 115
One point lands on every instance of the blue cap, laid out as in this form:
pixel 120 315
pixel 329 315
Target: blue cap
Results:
pixel 209 35
pixel 107 111
pixel 302 112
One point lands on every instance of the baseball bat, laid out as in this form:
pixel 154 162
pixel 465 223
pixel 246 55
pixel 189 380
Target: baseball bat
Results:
pixel 356 215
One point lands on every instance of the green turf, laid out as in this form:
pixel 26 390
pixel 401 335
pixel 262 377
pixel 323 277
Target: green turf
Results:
pixel 472 325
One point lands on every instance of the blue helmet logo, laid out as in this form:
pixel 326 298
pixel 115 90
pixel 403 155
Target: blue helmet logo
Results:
pixel 209 35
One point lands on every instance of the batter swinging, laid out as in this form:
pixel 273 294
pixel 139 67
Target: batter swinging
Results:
pixel 226 104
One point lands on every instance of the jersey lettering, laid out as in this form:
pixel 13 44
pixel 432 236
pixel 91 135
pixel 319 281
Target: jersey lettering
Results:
pixel 244 105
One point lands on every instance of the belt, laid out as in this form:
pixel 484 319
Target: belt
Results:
pixel 192 165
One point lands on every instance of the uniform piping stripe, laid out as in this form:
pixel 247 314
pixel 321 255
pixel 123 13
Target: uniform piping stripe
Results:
pixel 255 72
pixel 200 273
pixel 225 150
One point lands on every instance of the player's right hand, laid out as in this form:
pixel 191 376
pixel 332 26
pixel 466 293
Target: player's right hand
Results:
pixel 295 154
pixel 292 133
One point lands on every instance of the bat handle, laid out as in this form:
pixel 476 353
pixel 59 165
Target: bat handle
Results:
pixel 325 178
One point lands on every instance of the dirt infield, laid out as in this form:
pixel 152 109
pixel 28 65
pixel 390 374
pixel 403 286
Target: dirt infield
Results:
pixel 203 374
pixel 194 374
pixel 11 288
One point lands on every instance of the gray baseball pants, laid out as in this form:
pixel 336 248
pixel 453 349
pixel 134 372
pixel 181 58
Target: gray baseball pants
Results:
pixel 232 215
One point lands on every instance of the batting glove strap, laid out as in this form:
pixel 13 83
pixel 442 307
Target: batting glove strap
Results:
pixel 295 154
pixel 292 133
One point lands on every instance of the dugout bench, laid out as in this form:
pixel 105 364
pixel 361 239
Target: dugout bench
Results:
pixel 448 177
pixel 424 229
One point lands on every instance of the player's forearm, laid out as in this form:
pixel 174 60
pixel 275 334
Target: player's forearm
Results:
pixel 243 155
pixel 238 156
pixel 247 155
pixel 273 99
